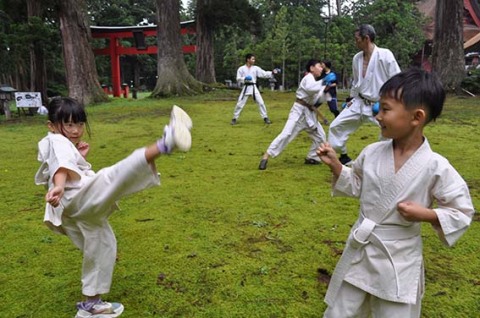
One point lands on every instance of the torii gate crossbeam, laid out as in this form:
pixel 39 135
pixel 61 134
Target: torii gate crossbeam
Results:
pixel 138 33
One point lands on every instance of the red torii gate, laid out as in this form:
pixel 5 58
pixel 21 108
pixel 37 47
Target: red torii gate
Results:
pixel 138 33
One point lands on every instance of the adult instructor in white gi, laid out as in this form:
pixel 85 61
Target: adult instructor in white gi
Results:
pixel 247 75
pixel 371 67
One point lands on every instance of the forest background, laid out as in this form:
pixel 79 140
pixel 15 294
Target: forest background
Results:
pixel 282 34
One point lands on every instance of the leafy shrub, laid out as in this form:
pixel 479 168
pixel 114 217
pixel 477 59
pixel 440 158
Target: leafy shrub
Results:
pixel 472 82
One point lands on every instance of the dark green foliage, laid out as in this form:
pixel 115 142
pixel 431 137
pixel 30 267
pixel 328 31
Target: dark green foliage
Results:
pixel 398 25
pixel 121 12
pixel 239 13
pixel 472 82
pixel 15 38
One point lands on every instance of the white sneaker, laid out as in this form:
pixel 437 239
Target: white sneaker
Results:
pixel 179 115
pixel 180 125
pixel 101 309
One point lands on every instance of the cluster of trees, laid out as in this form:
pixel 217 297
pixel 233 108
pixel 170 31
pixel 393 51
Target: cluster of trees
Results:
pixel 47 45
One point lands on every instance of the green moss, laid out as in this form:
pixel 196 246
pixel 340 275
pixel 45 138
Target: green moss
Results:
pixel 218 238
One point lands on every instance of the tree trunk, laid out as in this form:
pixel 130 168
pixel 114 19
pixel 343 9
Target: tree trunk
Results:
pixel 205 66
pixel 136 72
pixel 38 71
pixel 81 72
pixel 448 59
pixel 173 76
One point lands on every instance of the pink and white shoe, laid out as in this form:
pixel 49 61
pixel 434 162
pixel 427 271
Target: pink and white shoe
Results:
pixel 98 309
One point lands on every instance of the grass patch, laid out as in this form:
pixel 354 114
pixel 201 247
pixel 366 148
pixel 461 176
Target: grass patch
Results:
pixel 218 238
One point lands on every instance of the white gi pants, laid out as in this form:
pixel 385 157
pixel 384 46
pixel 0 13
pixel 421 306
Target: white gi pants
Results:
pixel 85 217
pixel 352 302
pixel 296 123
pixel 347 122
pixel 242 100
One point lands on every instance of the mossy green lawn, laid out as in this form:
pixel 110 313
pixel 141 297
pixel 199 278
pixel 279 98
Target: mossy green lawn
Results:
pixel 218 238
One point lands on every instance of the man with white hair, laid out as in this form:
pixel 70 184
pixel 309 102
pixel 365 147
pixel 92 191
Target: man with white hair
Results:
pixel 371 67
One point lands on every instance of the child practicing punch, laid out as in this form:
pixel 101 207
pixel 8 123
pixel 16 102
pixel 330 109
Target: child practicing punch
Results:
pixel 303 116
pixel 381 273
pixel 79 201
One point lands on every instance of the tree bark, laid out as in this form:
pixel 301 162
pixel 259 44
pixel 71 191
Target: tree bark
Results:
pixel 38 71
pixel 339 8
pixel 205 63
pixel 173 76
pixel 81 72
pixel 448 59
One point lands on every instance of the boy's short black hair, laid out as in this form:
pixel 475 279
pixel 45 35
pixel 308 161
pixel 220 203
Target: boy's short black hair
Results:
pixel 311 63
pixel 415 87
pixel 328 64
pixel 249 56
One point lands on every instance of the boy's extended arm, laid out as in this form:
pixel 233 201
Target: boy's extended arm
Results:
pixel 55 194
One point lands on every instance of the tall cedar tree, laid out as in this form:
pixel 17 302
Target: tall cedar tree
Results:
pixel 447 54
pixel 212 15
pixel 173 76
pixel 80 69
pixel 38 70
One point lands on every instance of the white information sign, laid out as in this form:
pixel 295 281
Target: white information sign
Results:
pixel 28 99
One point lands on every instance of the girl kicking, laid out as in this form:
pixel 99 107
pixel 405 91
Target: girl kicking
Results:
pixel 79 201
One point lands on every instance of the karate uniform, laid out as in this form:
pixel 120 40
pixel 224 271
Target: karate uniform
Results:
pixel 383 254
pixel 302 118
pixel 88 201
pixel 250 89
pixel 381 67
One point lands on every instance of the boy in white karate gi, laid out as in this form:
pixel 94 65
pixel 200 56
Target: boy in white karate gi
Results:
pixel 247 75
pixel 381 273
pixel 303 116
pixel 79 201
pixel 371 67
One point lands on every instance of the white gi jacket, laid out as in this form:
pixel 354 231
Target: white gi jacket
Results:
pixel 56 151
pixel 255 72
pixel 308 91
pixel 381 67
pixel 383 254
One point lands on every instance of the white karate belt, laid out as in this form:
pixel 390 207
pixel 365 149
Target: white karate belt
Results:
pixel 368 232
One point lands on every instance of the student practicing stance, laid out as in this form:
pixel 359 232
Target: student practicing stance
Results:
pixel 247 75
pixel 371 67
pixel 303 116
pixel 398 181
pixel 79 201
